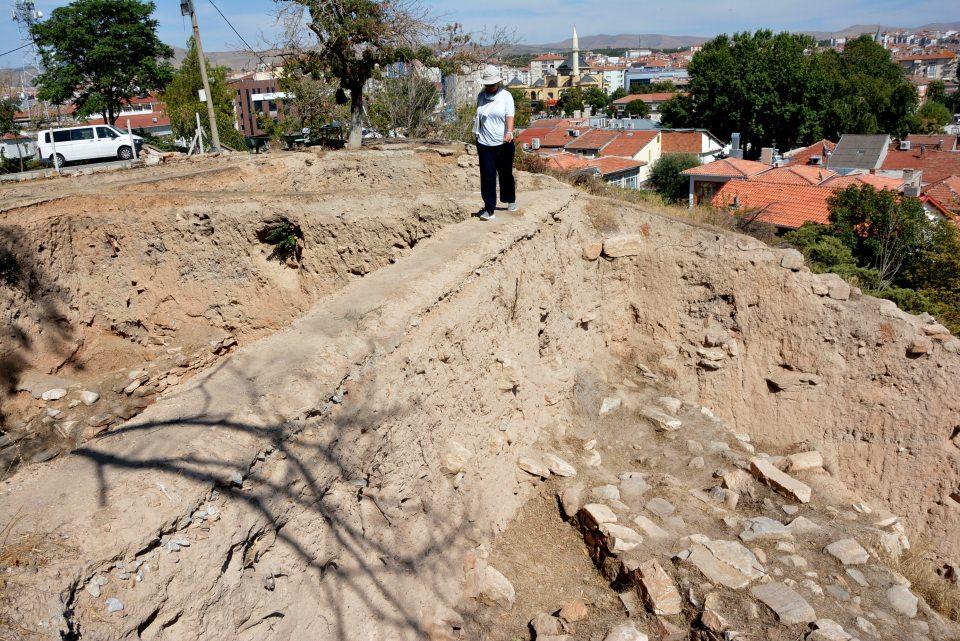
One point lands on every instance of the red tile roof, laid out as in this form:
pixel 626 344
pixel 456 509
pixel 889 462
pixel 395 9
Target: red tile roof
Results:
pixel 943 142
pixel 682 142
pixel 943 55
pixel 796 175
pixel 729 168
pixel 802 156
pixel 782 205
pixel 593 139
pixel 565 161
pixel 946 192
pixel 628 143
pixel 877 182
pixel 550 137
pixel 936 165
pixel 613 164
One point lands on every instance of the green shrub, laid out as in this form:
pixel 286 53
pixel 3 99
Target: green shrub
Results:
pixel 285 238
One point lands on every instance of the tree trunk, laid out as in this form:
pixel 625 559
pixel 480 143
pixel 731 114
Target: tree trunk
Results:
pixel 355 139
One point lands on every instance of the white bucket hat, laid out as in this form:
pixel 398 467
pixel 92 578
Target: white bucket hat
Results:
pixel 491 75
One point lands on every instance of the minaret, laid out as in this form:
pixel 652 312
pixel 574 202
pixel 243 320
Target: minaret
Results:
pixel 576 56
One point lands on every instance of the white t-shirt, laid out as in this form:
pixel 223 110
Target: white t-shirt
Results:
pixel 490 124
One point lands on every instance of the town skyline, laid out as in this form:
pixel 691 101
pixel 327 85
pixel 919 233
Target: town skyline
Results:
pixel 536 25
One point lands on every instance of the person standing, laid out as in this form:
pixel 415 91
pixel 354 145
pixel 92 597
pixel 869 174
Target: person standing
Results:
pixel 493 127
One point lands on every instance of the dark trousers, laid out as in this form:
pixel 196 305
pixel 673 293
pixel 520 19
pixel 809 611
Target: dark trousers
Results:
pixel 496 161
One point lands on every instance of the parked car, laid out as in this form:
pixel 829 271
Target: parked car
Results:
pixel 86 143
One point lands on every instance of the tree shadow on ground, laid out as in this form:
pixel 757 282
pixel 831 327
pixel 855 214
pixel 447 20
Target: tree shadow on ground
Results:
pixel 366 568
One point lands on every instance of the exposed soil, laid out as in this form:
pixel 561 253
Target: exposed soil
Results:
pixel 325 444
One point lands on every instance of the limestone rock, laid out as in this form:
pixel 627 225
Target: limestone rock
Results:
pixel 649 528
pixel 545 625
pixel 533 466
pixel 608 405
pixel 848 552
pixel 622 245
pixel 661 507
pixel 662 421
pixel 596 514
pixel 625 632
pixel 606 493
pixel 765 528
pixel 671 404
pixel 658 589
pixel 89 398
pixel 903 600
pixel 715 570
pixel 804 461
pixel 559 466
pixel 792 260
pixel 571 499
pixel 496 588
pixel 573 611
pixel 786 485
pixel 591 250
pixel 620 538
pixel 919 346
pixel 786 603
pixel 828 630
pixel 454 460
pixel 54 394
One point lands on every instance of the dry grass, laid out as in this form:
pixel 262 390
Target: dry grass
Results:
pixel 918 565
pixel 31 550
pixel 706 217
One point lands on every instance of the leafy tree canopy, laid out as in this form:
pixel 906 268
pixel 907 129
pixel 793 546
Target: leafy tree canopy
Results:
pixel 776 90
pixel 666 178
pixel 99 54
pixel 182 97
pixel 931 118
pixel 523 109
pixel 636 109
pixel 570 101
pixel 7 110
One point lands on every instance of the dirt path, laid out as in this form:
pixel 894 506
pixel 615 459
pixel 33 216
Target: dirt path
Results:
pixel 355 474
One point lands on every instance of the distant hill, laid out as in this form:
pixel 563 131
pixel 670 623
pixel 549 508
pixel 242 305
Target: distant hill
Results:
pixel 661 41
pixel 235 60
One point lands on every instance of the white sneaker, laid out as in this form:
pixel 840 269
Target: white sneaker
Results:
pixel 512 206
pixel 487 215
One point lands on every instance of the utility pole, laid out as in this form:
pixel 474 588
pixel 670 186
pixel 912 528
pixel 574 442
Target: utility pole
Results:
pixel 186 8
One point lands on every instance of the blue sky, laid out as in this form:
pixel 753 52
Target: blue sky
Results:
pixel 537 21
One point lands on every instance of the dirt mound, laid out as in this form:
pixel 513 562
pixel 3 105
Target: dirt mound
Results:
pixel 357 473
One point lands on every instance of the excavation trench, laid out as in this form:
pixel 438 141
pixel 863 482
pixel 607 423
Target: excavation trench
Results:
pixel 336 478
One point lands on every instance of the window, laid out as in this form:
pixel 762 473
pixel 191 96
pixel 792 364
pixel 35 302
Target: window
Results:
pixel 106 133
pixel 60 136
pixel 81 134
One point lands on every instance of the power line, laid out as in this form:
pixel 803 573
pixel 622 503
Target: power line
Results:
pixel 225 19
pixel 29 44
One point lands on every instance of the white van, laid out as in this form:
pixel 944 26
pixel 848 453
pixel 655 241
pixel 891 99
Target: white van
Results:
pixel 85 143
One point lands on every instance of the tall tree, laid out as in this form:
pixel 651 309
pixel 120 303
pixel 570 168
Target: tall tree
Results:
pixel 762 85
pixel 570 101
pixel 637 109
pixel 597 98
pixel 354 41
pixel 183 100
pixel 8 108
pixel 884 230
pixel 99 54
pixel 405 104
pixel 666 176
pixel 868 93
pixel 523 108
pixel 937 92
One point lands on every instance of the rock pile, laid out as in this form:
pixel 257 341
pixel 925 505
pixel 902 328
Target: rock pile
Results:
pixel 702 536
